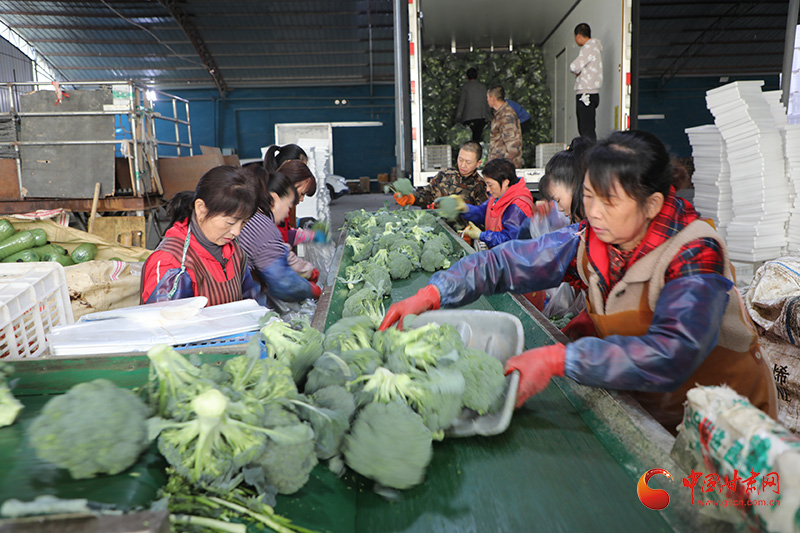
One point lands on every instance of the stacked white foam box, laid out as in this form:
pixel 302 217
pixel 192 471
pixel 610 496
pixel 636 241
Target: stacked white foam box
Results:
pixel 792 149
pixel 759 189
pixel 712 176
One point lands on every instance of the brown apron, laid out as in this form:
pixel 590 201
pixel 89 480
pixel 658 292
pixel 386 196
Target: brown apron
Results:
pixel 745 372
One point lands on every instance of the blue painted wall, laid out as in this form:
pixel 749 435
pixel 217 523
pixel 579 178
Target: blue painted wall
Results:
pixel 245 120
pixel 683 103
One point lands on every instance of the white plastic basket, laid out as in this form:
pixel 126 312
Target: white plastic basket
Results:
pixel 33 299
pixel 545 151
pixel 437 157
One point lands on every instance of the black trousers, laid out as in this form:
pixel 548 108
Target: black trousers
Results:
pixel 476 125
pixel 586 115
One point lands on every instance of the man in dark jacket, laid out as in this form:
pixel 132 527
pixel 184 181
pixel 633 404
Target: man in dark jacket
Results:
pixel 473 111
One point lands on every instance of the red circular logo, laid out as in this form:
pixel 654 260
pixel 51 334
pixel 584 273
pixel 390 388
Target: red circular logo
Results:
pixel 655 499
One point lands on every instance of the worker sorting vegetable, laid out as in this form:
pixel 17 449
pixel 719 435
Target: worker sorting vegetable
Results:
pixel 659 287
pixel 199 255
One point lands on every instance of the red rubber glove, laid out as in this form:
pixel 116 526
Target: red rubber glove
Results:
pixel 426 299
pixel 580 326
pixel 404 200
pixel 314 276
pixel 316 291
pixel 536 367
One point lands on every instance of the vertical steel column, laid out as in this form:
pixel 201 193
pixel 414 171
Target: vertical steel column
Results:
pixel 402 87
pixel 635 64
pixel 189 128
pixel 788 51
pixel 177 132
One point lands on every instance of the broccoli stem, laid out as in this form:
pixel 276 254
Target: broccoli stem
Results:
pixel 278 527
pixel 210 523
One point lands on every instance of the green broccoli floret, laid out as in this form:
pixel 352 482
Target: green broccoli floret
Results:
pixel 423 347
pixel 386 242
pixel 210 449
pixel 400 265
pixel 361 247
pixel 365 302
pixel 335 398
pixel 287 465
pixel 297 349
pixel 338 369
pixel 95 428
pixel 436 395
pixel 173 381
pixel 485 381
pixel 403 186
pixel 381 259
pixel 390 444
pixel 377 278
pixel 354 275
pixel 426 219
pixel 433 260
pixel 349 333
pixel 409 247
pixel 447 208
pixel 9 406
pixel 263 379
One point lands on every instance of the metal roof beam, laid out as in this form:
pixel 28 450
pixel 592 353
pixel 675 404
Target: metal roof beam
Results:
pixel 194 36
pixel 714 29
pixel 79 14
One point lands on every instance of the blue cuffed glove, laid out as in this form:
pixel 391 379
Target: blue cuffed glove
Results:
pixel 321 237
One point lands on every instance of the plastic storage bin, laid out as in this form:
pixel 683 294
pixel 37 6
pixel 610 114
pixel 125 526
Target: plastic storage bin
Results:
pixel 437 157
pixel 501 336
pixel 33 299
pixel 545 151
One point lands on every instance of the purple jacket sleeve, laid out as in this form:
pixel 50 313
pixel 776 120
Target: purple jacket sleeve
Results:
pixel 673 347
pixel 513 218
pixel 282 282
pixel 476 213
pixel 514 266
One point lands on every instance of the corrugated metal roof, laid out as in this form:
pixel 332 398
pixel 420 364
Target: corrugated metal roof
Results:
pixel 249 41
pixel 309 42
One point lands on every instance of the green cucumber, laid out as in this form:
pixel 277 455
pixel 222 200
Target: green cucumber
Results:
pixel 6 230
pixel 25 256
pixel 85 252
pixel 49 248
pixel 64 260
pixel 39 236
pixel 21 240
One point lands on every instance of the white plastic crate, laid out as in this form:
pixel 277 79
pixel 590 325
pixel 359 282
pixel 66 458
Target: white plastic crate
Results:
pixel 437 157
pixel 545 151
pixel 33 299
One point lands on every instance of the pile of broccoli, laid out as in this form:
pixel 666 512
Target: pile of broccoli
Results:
pixel 389 245
pixel 408 388
pixel 9 406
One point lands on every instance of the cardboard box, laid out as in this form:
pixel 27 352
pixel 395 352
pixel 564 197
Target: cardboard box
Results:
pixel 9 181
pixel 383 178
pixel 182 173
pixel 364 183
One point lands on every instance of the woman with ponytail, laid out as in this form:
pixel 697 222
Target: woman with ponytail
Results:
pixel 267 253
pixel 200 254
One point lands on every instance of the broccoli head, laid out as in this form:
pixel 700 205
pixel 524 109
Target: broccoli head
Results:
pixel 433 260
pixel 365 302
pixel 349 333
pixel 390 444
pixel 95 428
pixel 400 265
pixel 287 465
pixel 484 380
pixel 377 278
pixel 296 348
pixel 211 449
pixel 360 246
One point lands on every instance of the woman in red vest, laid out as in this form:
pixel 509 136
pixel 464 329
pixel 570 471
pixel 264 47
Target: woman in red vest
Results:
pixel 509 205
pixel 200 255
pixel 659 288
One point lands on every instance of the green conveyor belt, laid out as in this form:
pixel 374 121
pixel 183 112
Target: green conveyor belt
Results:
pixel 550 471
